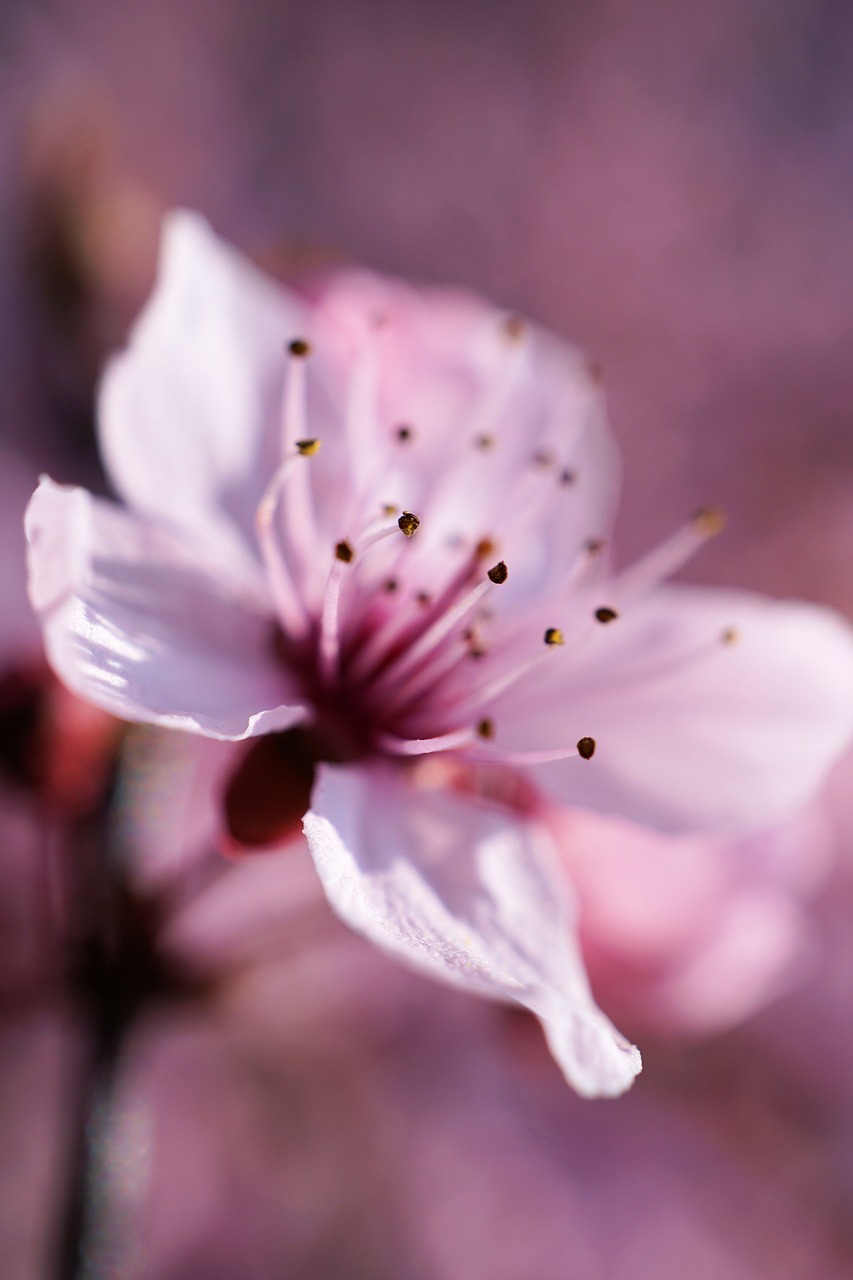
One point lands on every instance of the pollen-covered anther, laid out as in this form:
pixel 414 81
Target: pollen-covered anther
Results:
pixel 498 573
pixel 554 636
pixel 344 552
pixel 730 635
pixel 299 347
pixel 586 748
pixel 308 447
pixel 408 523
pixel 486 728
pixel 709 521
pixel 606 614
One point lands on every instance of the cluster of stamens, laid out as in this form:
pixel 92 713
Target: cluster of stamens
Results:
pixel 384 677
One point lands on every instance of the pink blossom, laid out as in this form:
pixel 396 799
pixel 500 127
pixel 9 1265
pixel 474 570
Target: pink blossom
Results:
pixel 388 548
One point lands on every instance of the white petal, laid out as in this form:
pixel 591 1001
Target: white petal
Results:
pixel 133 623
pixel 466 892
pixel 692 732
pixel 189 411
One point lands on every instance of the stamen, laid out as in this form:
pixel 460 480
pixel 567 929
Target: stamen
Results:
pixel 498 573
pixel 299 348
pixel 330 638
pixel 568 477
pixel 554 636
pixel 605 614
pixel 404 433
pixel 308 447
pixel 483 441
pixel 430 639
pixel 486 728
pixel 667 558
pixel 423 746
pixel 730 635
pixel 522 758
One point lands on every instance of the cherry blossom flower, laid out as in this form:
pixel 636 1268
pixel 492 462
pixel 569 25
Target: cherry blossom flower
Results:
pixel 374 528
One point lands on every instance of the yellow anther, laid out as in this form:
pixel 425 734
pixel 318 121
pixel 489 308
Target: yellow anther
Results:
pixel 308 447
pixel 709 521
pixel 408 523
pixel 554 636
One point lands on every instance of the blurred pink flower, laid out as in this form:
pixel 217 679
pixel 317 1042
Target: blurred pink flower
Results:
pixel 260 584
pixel 692 933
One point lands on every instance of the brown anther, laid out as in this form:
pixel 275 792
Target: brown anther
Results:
pixel 477 651
pixel 483 441
pixel 486 728
pixel 299 347
pixel 424 598
pixel 554 636
pixel 484 548
pixel 404 434
pixel 543 458
pixel 408 523
pixel 605 614
pixel 308 447
pixel 498 573
pixel 514 327
pixel 593 546
pixel 568 477
pixel 730 636
pixel 709 521
pixel 344 552
pixel 586 748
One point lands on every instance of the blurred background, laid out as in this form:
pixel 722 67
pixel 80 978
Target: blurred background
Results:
pixel 669 185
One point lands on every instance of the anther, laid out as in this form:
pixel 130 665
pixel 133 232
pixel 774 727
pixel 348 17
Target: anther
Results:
pixel 709 521
pixel 344 552
pixel 391 585
pixel 498 573
pixel 299 347
pixel 483 441
pixel 586 748
pixel 593 546
pixel 484 548
pixel 388 509
pixel 543 458
pixel 408 523
pixel 486 728
pixel 567 477
pixel 424 599
pixel 729 636
pixel 554 636
pixel 404 434
pixel 605 614
pixel 514 326
pixel 308 447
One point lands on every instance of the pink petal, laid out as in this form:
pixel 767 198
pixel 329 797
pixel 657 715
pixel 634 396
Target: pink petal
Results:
pixel 189 411
pixel 692 732
pixel 134 624
pixel 464 891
